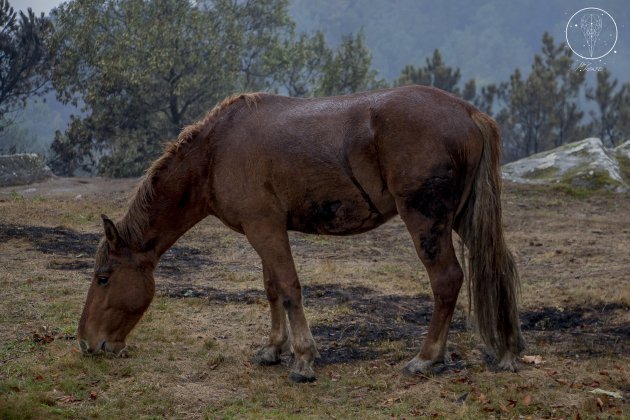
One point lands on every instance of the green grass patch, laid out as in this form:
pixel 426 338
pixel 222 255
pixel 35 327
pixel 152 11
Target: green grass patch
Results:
pixel 541 173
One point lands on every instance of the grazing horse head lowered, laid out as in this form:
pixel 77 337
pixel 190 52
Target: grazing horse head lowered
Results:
pixel 265 164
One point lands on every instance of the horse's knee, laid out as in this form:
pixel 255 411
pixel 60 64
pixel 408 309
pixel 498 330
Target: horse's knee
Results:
pixel 291 295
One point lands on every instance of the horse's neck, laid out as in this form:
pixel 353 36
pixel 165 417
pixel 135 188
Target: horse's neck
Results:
pixel 178 201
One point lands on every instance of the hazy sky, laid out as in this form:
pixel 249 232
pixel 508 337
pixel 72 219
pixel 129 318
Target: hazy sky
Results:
pixel 38 6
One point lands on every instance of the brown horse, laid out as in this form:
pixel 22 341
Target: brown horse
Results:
pixel 266 164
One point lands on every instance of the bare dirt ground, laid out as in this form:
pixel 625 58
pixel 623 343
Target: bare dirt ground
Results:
pixel 368 302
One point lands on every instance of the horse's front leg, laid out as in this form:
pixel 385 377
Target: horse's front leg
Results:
pixel 278 336
pixel 271 242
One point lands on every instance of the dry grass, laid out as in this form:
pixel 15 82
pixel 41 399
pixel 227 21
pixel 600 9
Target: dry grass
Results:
pixel 367 300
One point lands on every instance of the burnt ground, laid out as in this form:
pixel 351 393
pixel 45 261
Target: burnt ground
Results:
pixel 76 249
pixel 580 331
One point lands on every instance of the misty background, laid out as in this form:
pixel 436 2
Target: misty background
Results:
pixel 485 39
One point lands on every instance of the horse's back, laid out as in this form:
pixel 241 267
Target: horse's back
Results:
pixel 332 165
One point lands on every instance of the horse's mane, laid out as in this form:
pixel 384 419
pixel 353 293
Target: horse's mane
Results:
pixel 136 220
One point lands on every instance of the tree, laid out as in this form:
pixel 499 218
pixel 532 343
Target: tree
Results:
pixel 437 74
pixel 75 145
pixel 613 106
pixel 300 64
pixel 349 69
pixel 262 27
pixel 23 57
pixel 541 111
pixel 568 84
pixel 143 70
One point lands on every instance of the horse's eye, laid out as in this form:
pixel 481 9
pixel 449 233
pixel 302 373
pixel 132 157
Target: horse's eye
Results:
pixel 102 280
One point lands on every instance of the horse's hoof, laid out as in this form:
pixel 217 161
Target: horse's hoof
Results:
pixel 301 379
pixel 420 367
pixel 508 362
pixel 267 357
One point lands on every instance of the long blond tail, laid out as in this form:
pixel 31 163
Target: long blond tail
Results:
pixel 493 280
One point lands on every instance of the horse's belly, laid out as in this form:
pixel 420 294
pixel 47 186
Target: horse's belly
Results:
pixel 336 217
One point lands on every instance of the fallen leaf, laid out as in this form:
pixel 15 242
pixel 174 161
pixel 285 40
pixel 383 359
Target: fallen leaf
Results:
pixel 503 408
pixel 68 399
pixel 562 381
pixel 593 384
pixel 614 394
pixel 93 395
pixel 39 378
pixel 482 399
pixel 551 372
pixel 600 404
pixel 391 401
pixel 535 360
pixel 527 400
pixel 604 373
pixel 511 403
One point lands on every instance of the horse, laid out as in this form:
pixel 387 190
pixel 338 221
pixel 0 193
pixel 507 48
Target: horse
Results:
pixel 265 164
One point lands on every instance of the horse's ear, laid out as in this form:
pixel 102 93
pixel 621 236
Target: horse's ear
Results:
pixel 112 235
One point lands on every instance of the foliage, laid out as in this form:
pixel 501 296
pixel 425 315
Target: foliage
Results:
pixel 541 110
pixel 145 69
pixel 612 120
pixel 300 63
pixel 75 145
pixel 349 69
pixel 23 57
pixel 435 73
pixel 487 39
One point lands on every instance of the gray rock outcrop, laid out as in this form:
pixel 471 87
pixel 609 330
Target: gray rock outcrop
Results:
pixel 584 164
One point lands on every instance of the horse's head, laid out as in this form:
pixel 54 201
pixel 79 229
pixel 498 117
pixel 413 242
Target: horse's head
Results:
pixel 122 289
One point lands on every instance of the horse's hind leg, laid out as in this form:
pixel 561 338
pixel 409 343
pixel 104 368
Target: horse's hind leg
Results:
pixel 433 241
pixel 271 242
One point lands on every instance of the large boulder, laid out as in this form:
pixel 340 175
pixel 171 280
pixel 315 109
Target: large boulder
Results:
pixel 22 169
pixel 622 153
pixel 585 164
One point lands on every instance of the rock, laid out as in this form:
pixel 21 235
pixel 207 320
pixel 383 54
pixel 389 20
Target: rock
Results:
pixel 585 164
pixel 22 169
pixel 624 149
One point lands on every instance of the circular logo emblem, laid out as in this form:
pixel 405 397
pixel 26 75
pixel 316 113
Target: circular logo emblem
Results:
pixel 591 33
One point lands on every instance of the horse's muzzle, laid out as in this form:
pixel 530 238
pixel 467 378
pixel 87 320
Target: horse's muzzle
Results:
pixel 102 348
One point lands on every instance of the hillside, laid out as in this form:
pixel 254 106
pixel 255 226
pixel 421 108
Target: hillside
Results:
pixel 483 37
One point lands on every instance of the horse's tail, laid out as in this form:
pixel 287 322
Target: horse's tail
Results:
pixel 493 282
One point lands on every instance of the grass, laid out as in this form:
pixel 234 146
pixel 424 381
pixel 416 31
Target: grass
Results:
pixel 624 165
pixel 191 357
pixel 541 173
